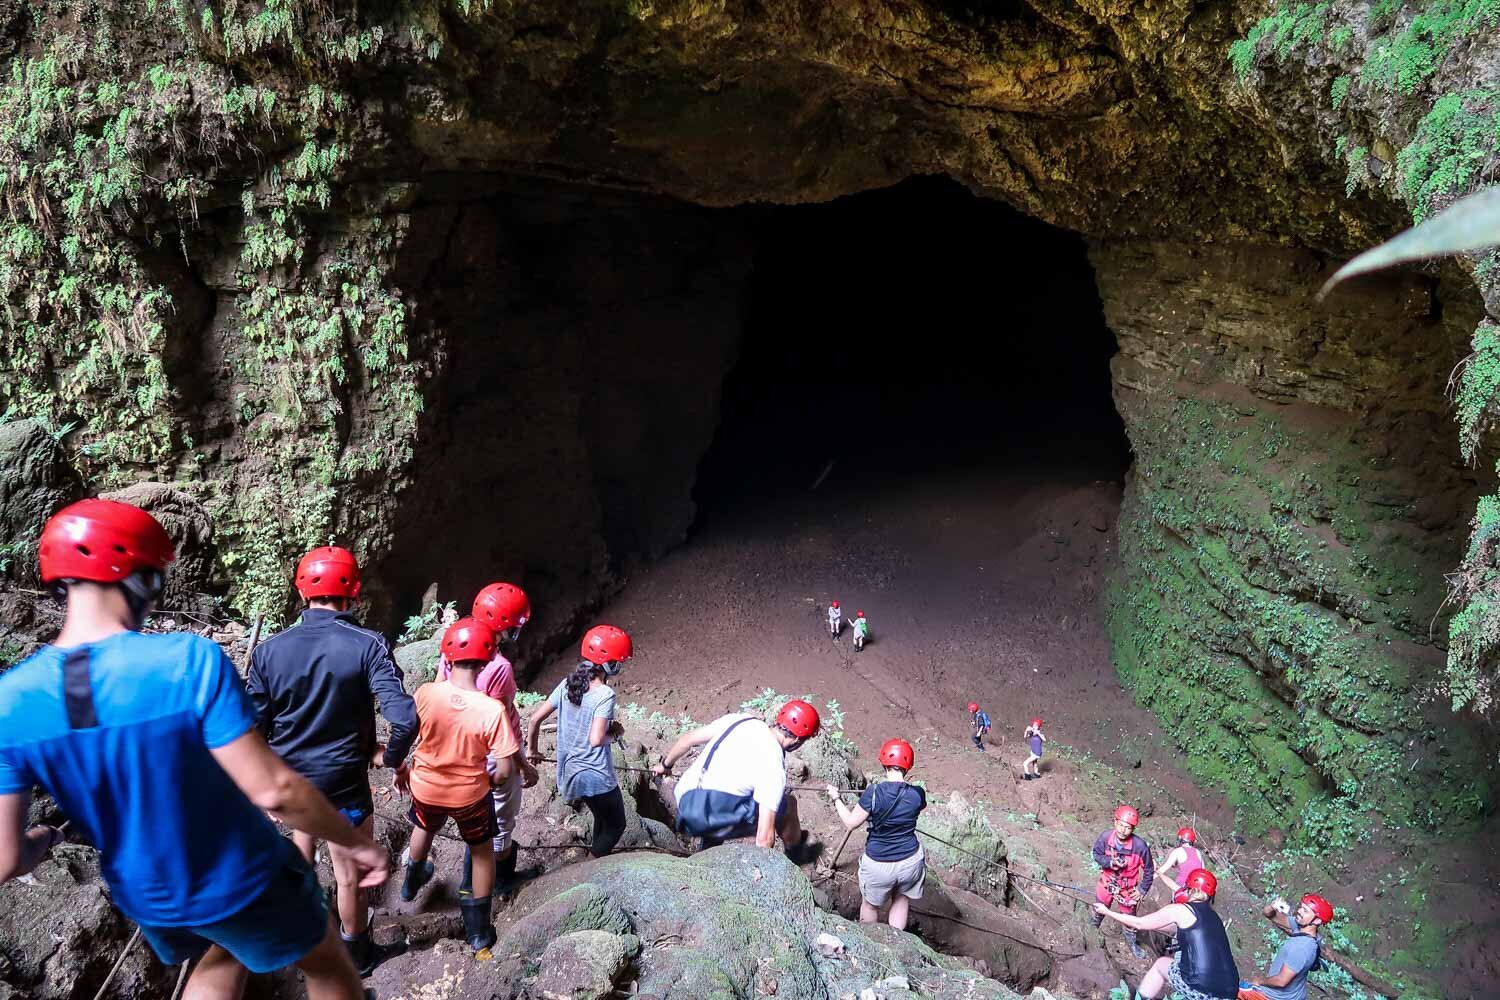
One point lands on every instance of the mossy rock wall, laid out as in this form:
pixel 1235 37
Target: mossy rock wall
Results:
pixel 1295 502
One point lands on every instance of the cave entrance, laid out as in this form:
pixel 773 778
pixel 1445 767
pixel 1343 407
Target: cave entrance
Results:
pixel 910 332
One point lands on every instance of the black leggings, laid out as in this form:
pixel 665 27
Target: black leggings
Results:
pixel 608 809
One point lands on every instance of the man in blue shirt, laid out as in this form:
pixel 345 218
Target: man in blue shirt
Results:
pixel 981 721
pixel 148 743
pixel 314 688
pixel 1286 979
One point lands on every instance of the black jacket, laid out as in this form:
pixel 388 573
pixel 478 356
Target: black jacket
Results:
pixel 315 688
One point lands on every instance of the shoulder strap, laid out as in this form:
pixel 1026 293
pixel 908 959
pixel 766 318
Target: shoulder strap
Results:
pixel 78 689
pixel 708 760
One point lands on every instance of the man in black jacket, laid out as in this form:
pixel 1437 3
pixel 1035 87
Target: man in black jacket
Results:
pixel 314 687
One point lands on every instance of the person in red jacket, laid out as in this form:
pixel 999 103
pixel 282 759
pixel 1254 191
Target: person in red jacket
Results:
pixel 1126 870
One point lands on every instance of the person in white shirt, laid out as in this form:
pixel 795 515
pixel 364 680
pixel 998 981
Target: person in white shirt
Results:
pixel 835 620
pixel 737 787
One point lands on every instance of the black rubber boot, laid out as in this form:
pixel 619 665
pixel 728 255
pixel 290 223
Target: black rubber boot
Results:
pixel 1135 948
pixel 478 930
pixel 505 870
pixel 417 875
pixel 466 886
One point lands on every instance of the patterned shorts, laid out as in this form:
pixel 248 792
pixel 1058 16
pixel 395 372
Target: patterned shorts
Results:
pixel 1182 989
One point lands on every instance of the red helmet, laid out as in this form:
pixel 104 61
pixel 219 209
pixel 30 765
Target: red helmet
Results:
pixel 469 639
pixel 1203 880
pixel 1036 723
pixel 897 753
pixel 1322 908
pixel 328 571
pixel 859 614
pixel 1188 834
pixel 1129 815
pixel 606 644
pixel 973 706
pixel 103 541
pixel 502 605
pixel 799 718
pixel 833 604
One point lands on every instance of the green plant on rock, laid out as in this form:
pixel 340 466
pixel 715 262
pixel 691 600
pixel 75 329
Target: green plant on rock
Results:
pixel 1451 145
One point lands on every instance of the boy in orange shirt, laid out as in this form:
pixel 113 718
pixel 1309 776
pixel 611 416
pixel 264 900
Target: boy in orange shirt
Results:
pixel 459 728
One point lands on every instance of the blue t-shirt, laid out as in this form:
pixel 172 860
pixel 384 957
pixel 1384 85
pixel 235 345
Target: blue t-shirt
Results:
pixel 981 720
pixel 583 770
pixel 1298 953
pixel 120 737
pixel 893 807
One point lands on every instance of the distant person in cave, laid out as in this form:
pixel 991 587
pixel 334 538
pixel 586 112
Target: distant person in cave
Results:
pixel 861 626
pixel 1286 976
pixel 893 865
pixel 506 609
pixel 835 619
pixel 466 748
pixel 1185 858
pixel 981 722
pixel 1203 967
pixel 737 788
pixel 148 743
pixel 1126 870
pixel 315 688
pixel 585 707
pixel 1031 767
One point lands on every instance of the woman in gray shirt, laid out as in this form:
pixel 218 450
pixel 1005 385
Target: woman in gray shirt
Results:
pixel 585 707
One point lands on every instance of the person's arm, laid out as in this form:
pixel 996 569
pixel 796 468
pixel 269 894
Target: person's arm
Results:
pixel 1279 916
pixel 685 742
pixel 1101 856
pixel 400 710
pixel 765 830
pixel 534 729
pixel 1282 978
pixel 271 785
pixel 1148 868
pixel 1177 857
pixel 851 816
pixel 602 722
pixel 1167 916
pixel 260 698
pixel 21 849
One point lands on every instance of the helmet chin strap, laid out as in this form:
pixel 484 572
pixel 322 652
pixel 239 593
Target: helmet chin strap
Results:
pixel 612 668
pixel 142 590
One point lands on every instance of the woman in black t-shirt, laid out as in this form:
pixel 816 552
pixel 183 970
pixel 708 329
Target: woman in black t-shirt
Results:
pixel 893 862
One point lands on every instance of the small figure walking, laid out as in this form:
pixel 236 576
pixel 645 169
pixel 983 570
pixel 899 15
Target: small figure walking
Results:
pixel 981 724
pixel 861 630
pixel 1032 766
pixel 835 620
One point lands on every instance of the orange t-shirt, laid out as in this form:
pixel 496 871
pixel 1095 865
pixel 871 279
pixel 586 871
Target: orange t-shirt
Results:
pixel 458 729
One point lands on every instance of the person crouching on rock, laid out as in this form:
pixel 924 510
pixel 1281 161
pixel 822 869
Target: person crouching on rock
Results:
pixel 737 788
pixel 461 731
pixel 505 608
pixel 149 744
pixel 893 863
pixel 585 707
pixel 1203 968
pixel 1126 870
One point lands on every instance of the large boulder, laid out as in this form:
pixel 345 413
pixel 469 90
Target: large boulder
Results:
pixel 975 861
pixel 62 936
pixel 34 482
pixel 191 528
pixel 729 922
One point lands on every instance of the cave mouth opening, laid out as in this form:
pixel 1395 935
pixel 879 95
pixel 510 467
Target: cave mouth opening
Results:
pixel 911 332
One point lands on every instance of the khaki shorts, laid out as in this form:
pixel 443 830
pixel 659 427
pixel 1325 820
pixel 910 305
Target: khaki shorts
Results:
pixel 507 798
pixel 878 879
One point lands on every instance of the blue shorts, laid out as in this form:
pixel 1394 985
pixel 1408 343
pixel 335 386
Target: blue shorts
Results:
pixel 285 922
pixel 356 808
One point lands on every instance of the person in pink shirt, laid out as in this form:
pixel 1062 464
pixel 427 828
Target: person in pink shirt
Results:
pixel 1185 857
pixel 505 608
